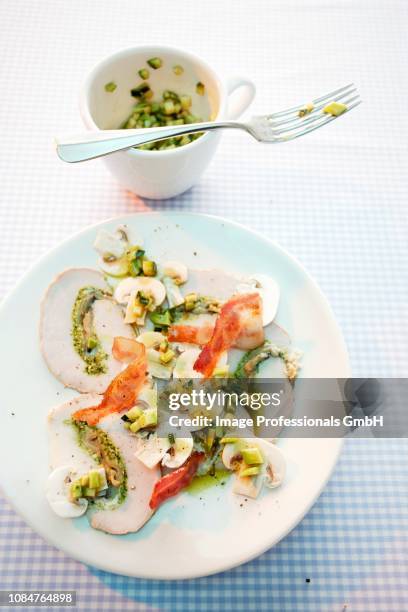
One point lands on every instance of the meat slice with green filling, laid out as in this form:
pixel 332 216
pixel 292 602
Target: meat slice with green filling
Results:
pixel 79 320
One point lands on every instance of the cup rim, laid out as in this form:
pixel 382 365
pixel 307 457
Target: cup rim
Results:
pixel 87 85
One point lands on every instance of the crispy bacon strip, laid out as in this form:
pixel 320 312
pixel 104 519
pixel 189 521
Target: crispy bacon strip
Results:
pixel 123 390
pixel 190 333
pixel 171 484
pixel 241 312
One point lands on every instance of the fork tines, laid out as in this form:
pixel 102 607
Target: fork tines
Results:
pixel 287 124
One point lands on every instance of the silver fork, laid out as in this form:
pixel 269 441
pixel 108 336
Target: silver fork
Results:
pixel 278 127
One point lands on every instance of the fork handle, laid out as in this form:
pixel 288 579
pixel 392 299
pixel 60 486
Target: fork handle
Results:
pixel 96 144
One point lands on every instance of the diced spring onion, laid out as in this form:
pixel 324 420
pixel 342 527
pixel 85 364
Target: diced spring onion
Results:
pixel 95 480
pixel 190 301
pixel 134 413
pixel 76 490
pixel 140 90
pixel 335 109
pixel 89 492
pixel 167 356
pixel 149 268
pixel 160 319
pixel 200 88
pixel 144 73
pixel 85 480
pixel 92 343
pixel 185 102
pixel 306 110
pixel 110 87
pixel 169 107
pixel 252 456
pixel 155 62
pixel 134 427
pixel 171 110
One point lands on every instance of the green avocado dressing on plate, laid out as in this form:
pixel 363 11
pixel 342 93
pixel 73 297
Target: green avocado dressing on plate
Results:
pixel 202 483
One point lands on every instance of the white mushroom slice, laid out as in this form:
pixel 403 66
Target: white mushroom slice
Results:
pixel 249 486
pixel 184 366
pixel 124 289
pixel 180 452
pixel 155 367
pixel 150 451
pixel 111 244
pixel 272 472
pixel 173 293
pixel 229 452
pixel 176 270
pixel 275 464
pixel 56 330
pixel 269 291
pixel 151 338
pixel 146 284
pixel 57 493
pixel 117 268
pixel 133 513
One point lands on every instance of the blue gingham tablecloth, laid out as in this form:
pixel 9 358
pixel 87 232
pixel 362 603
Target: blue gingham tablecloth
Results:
pixel 336 200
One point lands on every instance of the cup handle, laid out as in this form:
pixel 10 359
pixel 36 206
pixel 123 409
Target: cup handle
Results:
pixel 244 99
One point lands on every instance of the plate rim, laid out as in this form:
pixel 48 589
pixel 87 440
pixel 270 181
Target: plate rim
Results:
pixel 246 558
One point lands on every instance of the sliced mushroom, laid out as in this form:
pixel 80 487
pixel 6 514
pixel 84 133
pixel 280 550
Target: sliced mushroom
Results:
pixel 268 289
pixel 248 486
pixel 176 270
pixel 272 471
pixel 57 493
pixel 180 452
pixel 275 469
pixel 150 451
pixel 173 293
pixel 116 268
pixel 146 284
pixel 111 246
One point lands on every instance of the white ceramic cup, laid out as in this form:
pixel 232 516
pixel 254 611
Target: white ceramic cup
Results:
pixel 160 174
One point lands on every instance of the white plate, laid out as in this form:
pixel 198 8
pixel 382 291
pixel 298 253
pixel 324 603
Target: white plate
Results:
pixel 191 535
